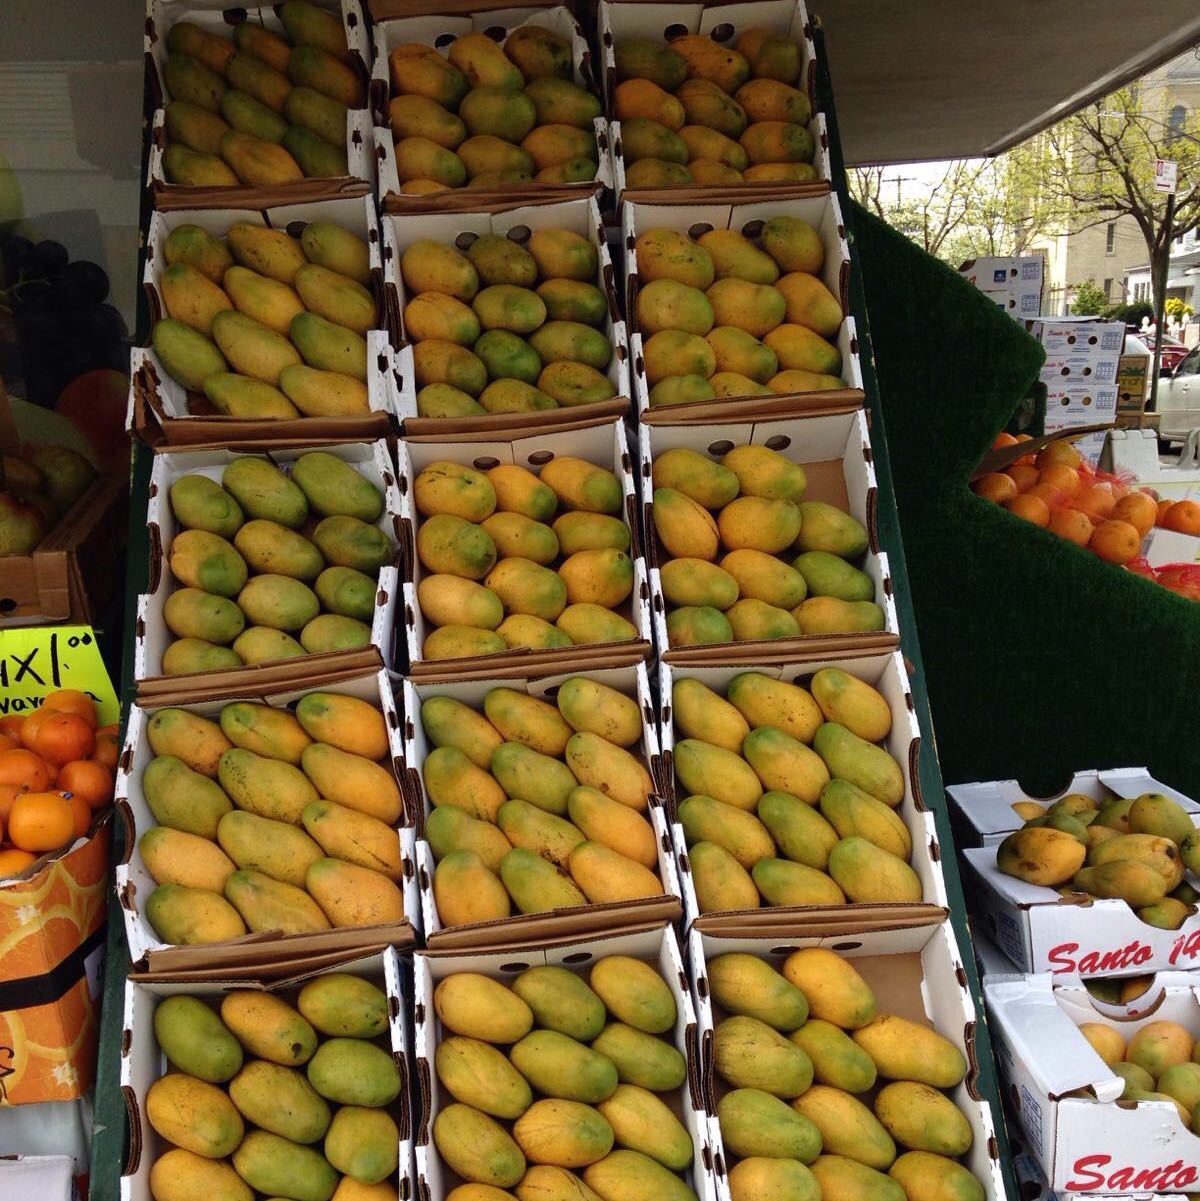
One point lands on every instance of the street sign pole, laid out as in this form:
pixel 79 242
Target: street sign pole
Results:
pixel 1165 173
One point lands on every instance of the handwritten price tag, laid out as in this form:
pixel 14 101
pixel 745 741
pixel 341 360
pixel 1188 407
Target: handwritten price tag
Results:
pixel 35 662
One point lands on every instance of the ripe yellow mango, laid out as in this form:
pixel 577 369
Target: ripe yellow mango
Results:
pixel 607 876
pixel 907 1050
pixel 837 1059
pixel 465 891
pixel 847 1126
pixel 836 992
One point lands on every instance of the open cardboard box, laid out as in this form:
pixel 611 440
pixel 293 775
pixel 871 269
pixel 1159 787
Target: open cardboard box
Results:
pixel 629 677
pixel 601 442
pixel 439 24
pixel 161 410
pixel 264 951
pixel 68 577
pixel 1084 1138
pixel 619 19
pixel 914 971
pixel 884 671
pixel 142 1062
pixel 835 451
pixel 220 19
pixel 151 635
pixel 985 810
pixel 517 221
pixel 695 219
pixel 653 944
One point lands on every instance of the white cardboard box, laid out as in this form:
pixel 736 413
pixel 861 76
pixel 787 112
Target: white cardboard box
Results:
pixel 835 451
pixel 1004 273
pixel 883 671
pixel 988 816
pixel 916 972
pixel 657 946
pixel 151 636
pixel 631 679
pixel 600 442
pixel 47 1177
pixel 822 212
pixel 1085 369
pixel 168 399
pixel 1075 404
pixel 1079 335
pixel 134 883
pixel 440 31
pixel 142 1062
pixel 215 17
pixel 581 216
pixel 1087 1145
pixel 1169 546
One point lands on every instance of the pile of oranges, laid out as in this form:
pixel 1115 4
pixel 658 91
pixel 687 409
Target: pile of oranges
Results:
pixel 1057 489
pixel 56 771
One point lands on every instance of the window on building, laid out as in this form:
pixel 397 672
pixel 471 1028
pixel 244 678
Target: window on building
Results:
pixel 1176 121
pixel 1110 237
pixel 1108 288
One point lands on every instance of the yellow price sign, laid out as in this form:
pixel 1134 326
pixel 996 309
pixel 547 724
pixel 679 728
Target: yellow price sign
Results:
pixel 38 661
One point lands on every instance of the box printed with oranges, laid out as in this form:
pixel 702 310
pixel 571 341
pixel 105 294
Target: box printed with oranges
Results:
pixel 56 787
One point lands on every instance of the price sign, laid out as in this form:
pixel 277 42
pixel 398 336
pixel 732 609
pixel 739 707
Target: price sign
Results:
pixel 1166 174
pixel 35 662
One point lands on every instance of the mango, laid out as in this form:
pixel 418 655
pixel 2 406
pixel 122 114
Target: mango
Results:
pixel 476 1147
pixel 452 779
pixel 614 825
pixel 355 837
pixel 634 993
pixel 907 1050
pixel 761 1176
pixel 844 1179
pixel 313 67
pixel 800 349
pixel 749 1054
pixel 186 355
pixel 1040 855
pixel 191 613
pixel 444 400
pixel 498 111
pixel 190 80
pixel 192 655
pixel 173 857
pixel 448 722
pixel 853 813
pixel 277 849
pixel 640 1058
pixel 563 1133
pixel 1153 813
pixel 656 173
pixel 186 37
pixel 353 781
pixel 702 768
pixel 740 833
pixel 278 601
pixel 742 356
pixel 920 1118
pixel 861 763
pixel 1129 880
pixel 1160 1045
pixel 580 485
pixel 536 885
pixel 178 1175
pixel 329 632
pixel 686 529
pixel 478 1075
pixel 514 396
pixel 746 985
pixel 351 1071
pixel 310 25
pixel 563 146
pixel 525 825
pixel 264 492
pixel 801 833
pixel 689 582
pixel 258 644
pixel 643 98
pixel 191 297
pixel 641 1122
pixel 853 703
pixel 363 1143
pixel 734 256
pixel 238 396
pixel 928 1177
pixel 195 1040
pixel 183 799
pixel 194 170
pixel 449 600
pixel 280 1100
pixel 785 764
pixel 755 308
pixel 188 916
pixel 586 623
pixel 670 353
pixel 867 873
pixel 481 1008
pixel 828 615
pixel 195 740
pixel 847 1126
pixel 194 1115
pixel 195 246
pixel 490 160
pixel 755 1123
pixel 318 114
pixel 667 254
pixel 272 1164
pixel 449 829
pixel 559 1066
pixel 420 70
pixel 836 992
pixel 837 1060
pixel 700 711
pixel 466 891
pixel 561 1001
pixel 260 163
pixel 201 503
pixel 782 882
pixel 644 58
pixel 268 904
pixel 720 882
pixel 607 877
pixel 1158 853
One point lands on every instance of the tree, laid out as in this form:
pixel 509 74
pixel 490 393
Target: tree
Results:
pixel 1090 299
pixel 1178 308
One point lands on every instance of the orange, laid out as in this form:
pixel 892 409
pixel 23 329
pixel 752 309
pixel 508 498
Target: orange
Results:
pixel 88 780
pixel 1049 493
pixel 1059 475
pixel 1024 475
pixel 11 725
pixel 1138 509
pixel 107 750
pixel 13 862
pixel 1059 452
pixel 1002 440
pixel 1162 507
pixel 29 728
pixel 81 813
pixel 8 794
pixel 24 770
pixel 995 486
pixel 62 737
pixel 9 744
pixel 1115 541
pixel 71 700
pixel 1026 459
pixel 41 821
pixel 1029 508
pixel 1072 525
pixel 1096 500
pixel 1183 517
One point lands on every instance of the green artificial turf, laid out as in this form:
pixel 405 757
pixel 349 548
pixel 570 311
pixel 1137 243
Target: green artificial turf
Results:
pixel 1040 659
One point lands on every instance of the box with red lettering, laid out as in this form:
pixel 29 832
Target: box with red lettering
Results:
pixel 1084 1136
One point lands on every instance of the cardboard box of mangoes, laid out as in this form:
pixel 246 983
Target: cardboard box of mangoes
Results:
pixel 266 827
pixel 730 496
pixel 269 322
pixel 289 1079
pixel 62 527
pixel 600 1093
pixel 739 303
pixel 538 806
pixel 485 104
pixel 712 101
pixel 1097 881
pixel 875 1031
pixel 1105 1093
pixel 260 105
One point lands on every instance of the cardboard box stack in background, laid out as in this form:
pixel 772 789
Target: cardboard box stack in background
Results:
pixel 1012 282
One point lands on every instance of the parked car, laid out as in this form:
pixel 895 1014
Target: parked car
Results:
pixel 1179 398
pixel 1173 351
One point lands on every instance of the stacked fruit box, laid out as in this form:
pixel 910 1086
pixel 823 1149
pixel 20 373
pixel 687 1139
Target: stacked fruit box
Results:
pixel 523 794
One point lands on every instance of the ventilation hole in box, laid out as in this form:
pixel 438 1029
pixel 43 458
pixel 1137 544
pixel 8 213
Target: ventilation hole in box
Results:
pixel 126 1042
pixel 639 365
pixel 722 33
pixel 697 231
pixel 443 40
pixel 846 946
pixel 381 363
pixel 675 30
pixel 519 234
pixel 235 16
pixel 393 1004
pixel 753 229
pixel 410 730
pixel 622 353
pixel 495 32
pixel 706 1155
pixel 464 240
pixel 778 442
pixel 356 138
pixel 780 952
pixel 607 38
pixel 553 690
pixel 578 957
pixel 296 228
pixel 485 463
pixel 540 458
pixel 720 448
pixel 513 968
pixel 7 604
pixel 960 974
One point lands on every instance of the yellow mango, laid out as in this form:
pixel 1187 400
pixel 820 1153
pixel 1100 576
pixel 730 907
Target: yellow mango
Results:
pixel 686 529
pixel 847 1126
pixel 355 837
pixel 700 712
pixel 721 883
pixel 616 826
pixel 465 891
pixel 907 1050
pixel 836 992
pixel 928 1177
pixel 179 1175
pixel 598 763
pixel 267 904
pixel 173 857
